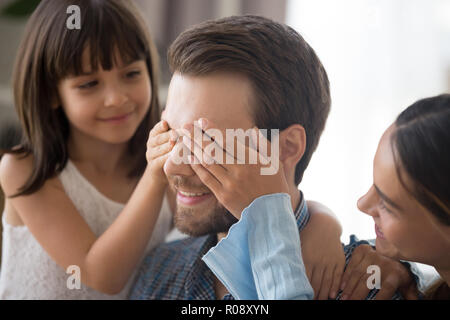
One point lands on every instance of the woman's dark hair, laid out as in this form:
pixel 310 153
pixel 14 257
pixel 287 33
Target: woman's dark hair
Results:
pixel 50 52
pixel 421 148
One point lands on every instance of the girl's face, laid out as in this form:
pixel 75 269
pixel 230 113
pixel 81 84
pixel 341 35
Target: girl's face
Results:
pixel 404 228
pixel 107 105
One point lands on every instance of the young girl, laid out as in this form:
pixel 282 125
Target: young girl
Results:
pixel 87 100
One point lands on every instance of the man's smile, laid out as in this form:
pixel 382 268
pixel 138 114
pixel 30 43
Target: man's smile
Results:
pixel 187 198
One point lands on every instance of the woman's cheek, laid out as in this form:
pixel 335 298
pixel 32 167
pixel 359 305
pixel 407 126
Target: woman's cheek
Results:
pixel 398 234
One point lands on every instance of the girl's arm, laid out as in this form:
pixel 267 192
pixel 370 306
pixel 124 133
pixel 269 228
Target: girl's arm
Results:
pixel 107 262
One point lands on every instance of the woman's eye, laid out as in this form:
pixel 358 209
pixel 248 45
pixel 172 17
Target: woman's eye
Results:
pixel 88 85
pixel 382 206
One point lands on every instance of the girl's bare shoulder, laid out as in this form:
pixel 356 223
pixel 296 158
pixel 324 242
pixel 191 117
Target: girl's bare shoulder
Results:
pixel 14 171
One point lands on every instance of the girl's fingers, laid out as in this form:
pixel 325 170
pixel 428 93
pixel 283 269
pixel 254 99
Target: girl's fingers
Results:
pixel 161 138
pixel 228 148
pixel 206 177
pixel 201 158
pixel 161 160
pixel 202 130
pixel 263 146
pixel 159 128
pixel 162 149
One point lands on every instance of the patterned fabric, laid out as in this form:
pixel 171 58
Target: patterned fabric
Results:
pixel 175 270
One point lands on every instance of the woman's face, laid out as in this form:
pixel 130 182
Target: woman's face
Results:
pixel 107 105
pixel 404 228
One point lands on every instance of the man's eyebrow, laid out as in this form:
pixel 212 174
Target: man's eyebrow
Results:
pixel 386 198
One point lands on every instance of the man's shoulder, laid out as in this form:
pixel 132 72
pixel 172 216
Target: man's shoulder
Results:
pixel 164 270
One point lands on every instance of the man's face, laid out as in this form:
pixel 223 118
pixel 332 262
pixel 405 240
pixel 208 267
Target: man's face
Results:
pixel 225 99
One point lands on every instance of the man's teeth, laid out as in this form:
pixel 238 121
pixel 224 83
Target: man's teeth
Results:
pixel 189 194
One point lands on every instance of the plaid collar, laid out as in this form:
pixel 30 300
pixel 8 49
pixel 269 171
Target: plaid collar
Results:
pixel 200 279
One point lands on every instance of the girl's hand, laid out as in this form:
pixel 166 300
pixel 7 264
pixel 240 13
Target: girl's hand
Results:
pixel 322 251
pixel 160 142
pixel 234 185
pixel 393 276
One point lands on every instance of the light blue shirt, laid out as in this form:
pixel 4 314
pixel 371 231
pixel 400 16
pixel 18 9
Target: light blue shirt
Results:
pixel 261 258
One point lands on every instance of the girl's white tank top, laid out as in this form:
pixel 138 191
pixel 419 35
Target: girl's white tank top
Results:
pixel 28 272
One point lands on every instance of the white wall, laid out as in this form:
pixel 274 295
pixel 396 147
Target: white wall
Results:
pixel 380 56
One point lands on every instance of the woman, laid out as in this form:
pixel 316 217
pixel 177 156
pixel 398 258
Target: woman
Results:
pixel 410 197
pixel 409 202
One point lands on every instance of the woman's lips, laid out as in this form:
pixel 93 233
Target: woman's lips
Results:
pixel 379 233
pixel 190 199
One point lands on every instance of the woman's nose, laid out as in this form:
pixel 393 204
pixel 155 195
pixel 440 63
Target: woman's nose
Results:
pixel 367 203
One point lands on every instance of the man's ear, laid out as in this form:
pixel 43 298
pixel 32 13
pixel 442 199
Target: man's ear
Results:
pixel 292 145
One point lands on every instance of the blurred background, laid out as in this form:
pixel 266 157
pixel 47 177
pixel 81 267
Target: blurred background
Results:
pixel 380 55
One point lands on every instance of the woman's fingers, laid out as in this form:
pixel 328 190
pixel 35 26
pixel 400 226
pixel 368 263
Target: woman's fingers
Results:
pixel 325 286
pixel 361 290
pixel 316 281
pixel 388 287
pixel 201 158
pixel 238 151
pixel 338 272
pixel 353 264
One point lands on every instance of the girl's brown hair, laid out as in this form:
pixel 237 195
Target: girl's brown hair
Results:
pixel 50 52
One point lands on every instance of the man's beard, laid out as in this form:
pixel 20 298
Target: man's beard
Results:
pixel 201 221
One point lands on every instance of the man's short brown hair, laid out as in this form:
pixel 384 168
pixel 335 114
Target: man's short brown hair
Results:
pixel 290 83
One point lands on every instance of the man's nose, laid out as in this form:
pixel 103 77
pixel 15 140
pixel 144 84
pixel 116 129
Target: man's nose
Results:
pixel 368 202
pixel 177 163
